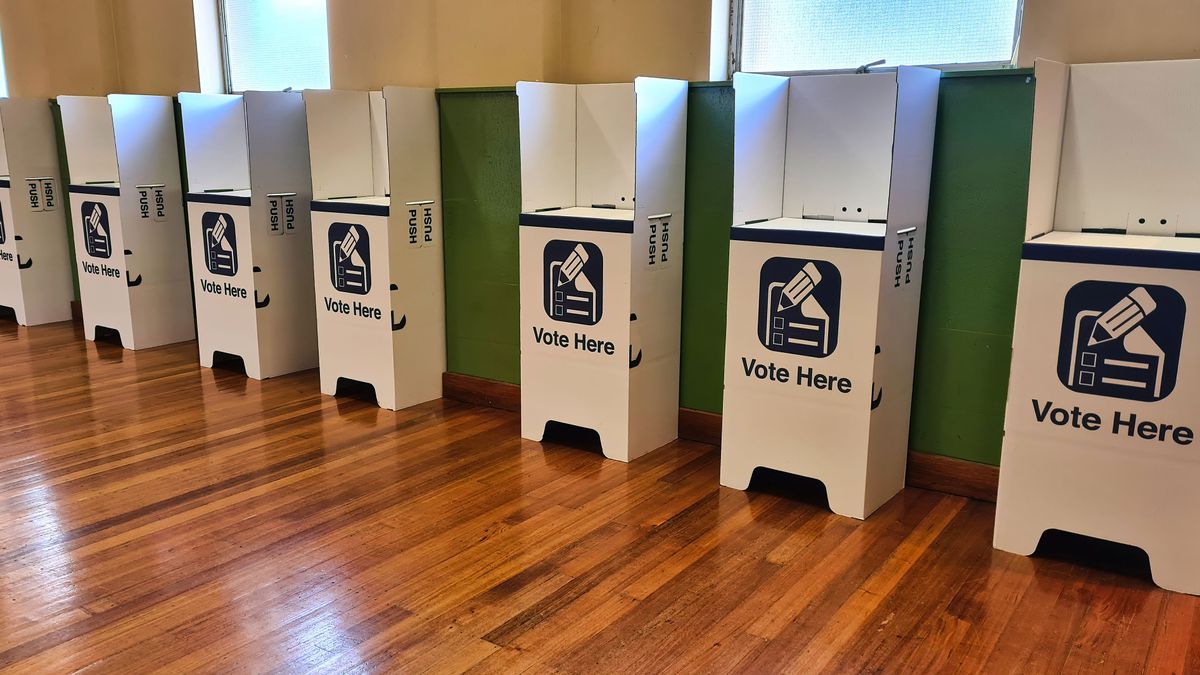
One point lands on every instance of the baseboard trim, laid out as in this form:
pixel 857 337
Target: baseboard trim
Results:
pixel 931 472
pixel 76 311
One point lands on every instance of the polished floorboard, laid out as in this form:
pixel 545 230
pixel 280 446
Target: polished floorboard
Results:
pixel 158 516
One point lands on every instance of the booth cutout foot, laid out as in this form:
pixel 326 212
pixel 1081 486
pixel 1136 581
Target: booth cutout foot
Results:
pixel 533 429
pixel 736 475
pixel 1174 571
pixel 1022 540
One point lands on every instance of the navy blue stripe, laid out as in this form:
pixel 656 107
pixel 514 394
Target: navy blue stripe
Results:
pixel 1125 257
pixel 864 242
pixel 217 198
pixel 356 208
pixel 3 182
pixel 109 190
pixel 576 223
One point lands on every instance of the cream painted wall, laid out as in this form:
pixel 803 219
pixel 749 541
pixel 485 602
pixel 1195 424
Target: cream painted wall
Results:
pixel 97 47
pixel 156 46
pixel 617 40
pixel 448 43
pixel 54 47
pixel 1089 31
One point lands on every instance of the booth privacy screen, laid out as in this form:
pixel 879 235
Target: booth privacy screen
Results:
pixel 803 35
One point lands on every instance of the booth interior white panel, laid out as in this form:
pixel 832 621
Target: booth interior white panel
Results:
pixel 912 149
pixel 214 138
pixel 547 128
pixel 606 128
pixel 1049 110
pixel 759 141
pixel 1131 148
pixel 839 146
pixel 379 145
pixel 341 143
pixel 90 142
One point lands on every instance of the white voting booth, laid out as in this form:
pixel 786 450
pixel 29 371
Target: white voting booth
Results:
pixel 128 220
pixel 601 239
pixel 377 241
pixel 35 261
pixel 1104 395
pixel 248 210
pixel 831 187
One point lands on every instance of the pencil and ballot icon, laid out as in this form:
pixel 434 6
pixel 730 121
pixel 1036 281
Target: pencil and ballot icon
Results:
pixel 96 238
pixel 350 258
pixel 220 243
pixel 1121 340
pixel 574 281
pixel 799 305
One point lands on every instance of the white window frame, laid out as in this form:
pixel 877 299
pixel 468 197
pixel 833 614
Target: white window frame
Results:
pixel 726 51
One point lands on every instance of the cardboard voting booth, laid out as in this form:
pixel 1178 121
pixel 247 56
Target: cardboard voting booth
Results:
pixel 128 222
pixel 601 259
pixel 35 260
pixel 1104 395
pixel 831 186
pixel 248 210
pixel 377 241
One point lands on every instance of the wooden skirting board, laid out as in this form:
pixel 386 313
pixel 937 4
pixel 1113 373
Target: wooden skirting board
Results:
pixel 931 472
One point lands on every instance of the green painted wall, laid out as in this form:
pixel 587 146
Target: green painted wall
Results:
pixel 976 219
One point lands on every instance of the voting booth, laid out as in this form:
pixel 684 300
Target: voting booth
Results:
pixel 601 259
pixel 1104 395
pixel 35 260
pixel 248 210
pixel 128 222
pixel 377 241
pixel 831 187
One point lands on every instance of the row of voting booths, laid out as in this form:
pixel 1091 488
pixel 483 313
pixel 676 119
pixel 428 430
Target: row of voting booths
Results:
pixel 315 240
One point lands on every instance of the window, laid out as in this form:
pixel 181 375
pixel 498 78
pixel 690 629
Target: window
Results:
pixel 806 35
pixel 275 44
pixel 3 72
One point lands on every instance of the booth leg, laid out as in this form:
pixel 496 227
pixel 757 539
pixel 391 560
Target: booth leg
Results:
pixel 614 443
pixel 847 500
pixel 329 382
pixel 206 359
pixel 1014 537
pixel 89 330
pixel 736 473
pixel 532 428
pixel 385 398
pixel 253 369
pixel 1174 570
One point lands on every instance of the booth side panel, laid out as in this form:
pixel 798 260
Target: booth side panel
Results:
pixel 418 305
pixel 47 288
pixel 1049 113
pixel 152 220
pixel 282 229
pixel 605 133
pixel 903 261
pixel 547 122
pixel 340 143
pixel 656 278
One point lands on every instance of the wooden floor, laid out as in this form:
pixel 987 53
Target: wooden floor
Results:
pixel 160 516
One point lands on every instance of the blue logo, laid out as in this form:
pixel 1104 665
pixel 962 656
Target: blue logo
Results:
pixel 96 238
pixel 220 243
pixel 574 281
pixel 350 258
pixel 798 306
pixel 1121 340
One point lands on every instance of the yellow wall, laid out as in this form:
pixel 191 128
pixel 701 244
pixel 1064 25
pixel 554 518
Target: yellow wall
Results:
pixel 149 46
pixel 1091 31
pixel 97 47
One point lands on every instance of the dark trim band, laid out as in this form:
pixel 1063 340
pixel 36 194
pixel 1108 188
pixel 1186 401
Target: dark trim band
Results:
pixel 217 198
pixel 862 242
pixel 1123 257
pixel 576 223
pixel 354 208
pixel 107 190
